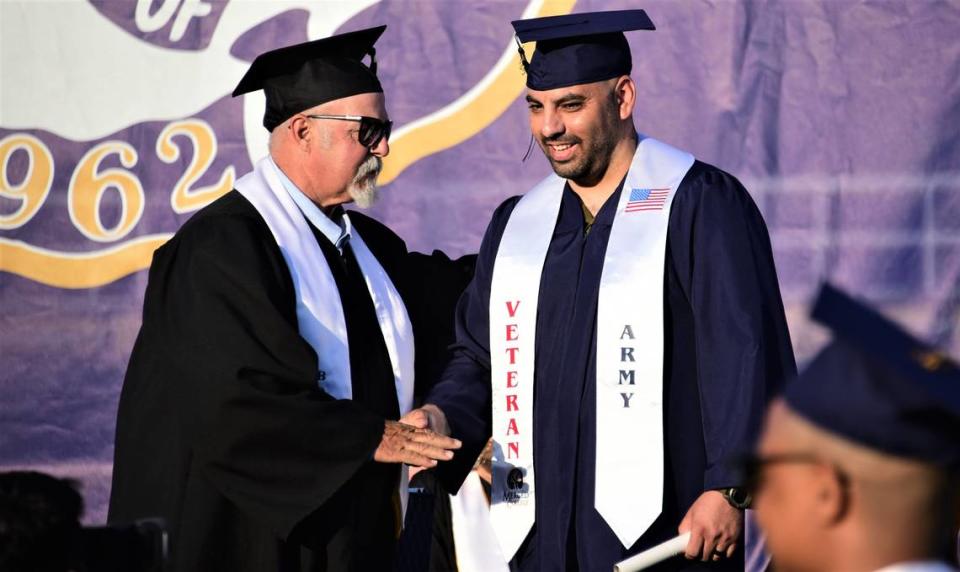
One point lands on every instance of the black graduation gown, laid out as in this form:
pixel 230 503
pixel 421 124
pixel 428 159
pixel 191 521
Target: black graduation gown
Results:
pixel 727 350
pixel 222 429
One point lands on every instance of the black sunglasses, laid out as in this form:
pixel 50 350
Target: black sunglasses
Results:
pixel 372 130
pixel 750 468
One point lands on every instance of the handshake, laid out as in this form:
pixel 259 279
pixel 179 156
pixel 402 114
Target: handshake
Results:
pixel 419 438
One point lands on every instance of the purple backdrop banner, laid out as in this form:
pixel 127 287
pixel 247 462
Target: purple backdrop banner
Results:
pixel 116 125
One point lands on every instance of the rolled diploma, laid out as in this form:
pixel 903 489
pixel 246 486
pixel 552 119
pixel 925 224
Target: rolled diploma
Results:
pixel 654 555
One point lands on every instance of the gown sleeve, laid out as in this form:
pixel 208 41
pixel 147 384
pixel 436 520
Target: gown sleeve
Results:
pixel 463 392
pixel 435 283
pixel 721 252
pixel 220 313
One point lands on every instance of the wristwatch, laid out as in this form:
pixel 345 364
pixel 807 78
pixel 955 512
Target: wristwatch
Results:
pixel 737 497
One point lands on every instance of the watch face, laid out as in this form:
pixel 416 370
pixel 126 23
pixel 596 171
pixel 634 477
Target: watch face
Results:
pixel 737 497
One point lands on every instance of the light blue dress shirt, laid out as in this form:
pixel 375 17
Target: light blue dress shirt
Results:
pixel 337 234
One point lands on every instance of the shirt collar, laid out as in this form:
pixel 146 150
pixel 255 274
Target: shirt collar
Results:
pixel 337 233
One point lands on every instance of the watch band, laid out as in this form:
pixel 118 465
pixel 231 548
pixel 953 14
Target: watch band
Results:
pixel 737 497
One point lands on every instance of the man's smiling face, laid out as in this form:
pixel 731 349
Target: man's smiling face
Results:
pixel 576 128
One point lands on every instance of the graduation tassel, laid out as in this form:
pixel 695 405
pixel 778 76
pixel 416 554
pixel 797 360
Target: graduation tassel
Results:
pixel 523 56
pixel 524 64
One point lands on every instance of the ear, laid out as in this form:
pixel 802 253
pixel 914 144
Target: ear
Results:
pixel 301 131
pixel 626 94
pixel 830 496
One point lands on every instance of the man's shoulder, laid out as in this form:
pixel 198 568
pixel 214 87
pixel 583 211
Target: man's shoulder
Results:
pixel 703 175
pixel 231 212
pixel 506 207
pixel 498 223
pixel 231 208
pixel 711 197
pixel 705 184
pixel 501 214
pixel 376 234
pixel 228 240
pixel 229 224
pixel 367 224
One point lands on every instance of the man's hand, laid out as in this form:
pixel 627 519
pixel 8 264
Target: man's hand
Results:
pixel 428 417
pixel 715 528
pixel 484 464
pixel 413 445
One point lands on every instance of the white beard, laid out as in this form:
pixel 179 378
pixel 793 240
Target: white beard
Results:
pixel 363 189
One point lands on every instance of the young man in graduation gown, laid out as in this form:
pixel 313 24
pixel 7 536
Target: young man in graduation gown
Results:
pixel 624 321
pixel 858 467
pixel 259 411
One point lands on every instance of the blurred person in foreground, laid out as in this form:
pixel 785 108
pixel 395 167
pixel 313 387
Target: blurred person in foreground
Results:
pixel 261 413
pixel 39 523
pixel 858 466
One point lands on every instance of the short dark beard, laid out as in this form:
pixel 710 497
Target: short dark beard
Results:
pixel 592 166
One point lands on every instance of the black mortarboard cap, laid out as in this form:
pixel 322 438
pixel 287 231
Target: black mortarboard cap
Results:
pixel 578 48
pixel 878 386
pixel 302 76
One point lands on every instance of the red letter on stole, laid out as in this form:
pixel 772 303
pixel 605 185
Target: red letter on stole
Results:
pixel 513 450
pixel 513 354
pixel 512 403
pixel 512 427
pixel 512 310
pixel 511 379
pixel 512 332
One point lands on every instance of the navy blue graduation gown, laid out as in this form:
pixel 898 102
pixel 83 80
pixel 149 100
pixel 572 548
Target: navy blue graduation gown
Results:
pixel 727 351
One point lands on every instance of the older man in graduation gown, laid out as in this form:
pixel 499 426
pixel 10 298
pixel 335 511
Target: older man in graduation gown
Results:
pixel 624 321
pixel 858 467
pixel 259 411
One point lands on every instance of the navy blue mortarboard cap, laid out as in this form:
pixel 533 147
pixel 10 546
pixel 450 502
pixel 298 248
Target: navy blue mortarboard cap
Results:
pixel 878 386
pixel 305 75
pixel 578 48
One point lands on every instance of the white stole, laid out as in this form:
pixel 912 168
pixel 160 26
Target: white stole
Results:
pixel 476 545
pixel 629 451
pixel 320 316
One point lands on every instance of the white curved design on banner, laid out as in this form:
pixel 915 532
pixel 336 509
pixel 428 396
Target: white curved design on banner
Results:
pixel 171 83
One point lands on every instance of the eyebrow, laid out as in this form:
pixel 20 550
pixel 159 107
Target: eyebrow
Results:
pixel 570 98
pixel 566 98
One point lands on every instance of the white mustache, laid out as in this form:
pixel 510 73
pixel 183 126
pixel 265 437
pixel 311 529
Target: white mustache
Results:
pixel 363 189
pixel 370 167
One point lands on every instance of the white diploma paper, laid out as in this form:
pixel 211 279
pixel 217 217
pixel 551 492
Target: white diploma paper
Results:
pixel 654 555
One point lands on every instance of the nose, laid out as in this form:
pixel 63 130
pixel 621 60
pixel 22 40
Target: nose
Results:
pixel 381 149
pixel 552 124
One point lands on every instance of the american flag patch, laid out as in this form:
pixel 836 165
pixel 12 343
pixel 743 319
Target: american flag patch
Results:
pixel 647 200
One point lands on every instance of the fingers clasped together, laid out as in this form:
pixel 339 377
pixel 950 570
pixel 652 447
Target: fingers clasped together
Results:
pixel 410 441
